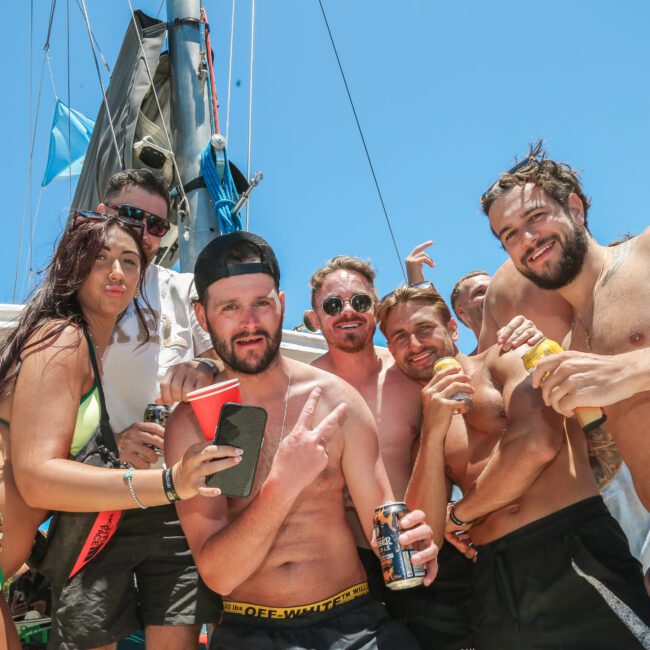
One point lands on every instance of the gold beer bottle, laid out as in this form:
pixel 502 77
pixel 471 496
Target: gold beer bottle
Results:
pixel 589 417
pixel 449 362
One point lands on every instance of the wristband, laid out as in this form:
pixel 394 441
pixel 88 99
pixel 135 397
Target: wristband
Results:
pixel 210 363
pixel 454 519
pixel 128 477
pixel 168 486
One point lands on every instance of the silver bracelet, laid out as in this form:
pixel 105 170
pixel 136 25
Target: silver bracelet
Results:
pixel 210 363
pixel 128 477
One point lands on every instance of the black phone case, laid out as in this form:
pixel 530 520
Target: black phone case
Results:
pixel 240 425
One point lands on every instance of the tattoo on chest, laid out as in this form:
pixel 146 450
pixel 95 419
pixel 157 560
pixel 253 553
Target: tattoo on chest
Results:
pixel 604 457
pixel 619 253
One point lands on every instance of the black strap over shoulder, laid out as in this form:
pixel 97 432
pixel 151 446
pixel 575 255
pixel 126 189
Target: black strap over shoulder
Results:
pixel 105 430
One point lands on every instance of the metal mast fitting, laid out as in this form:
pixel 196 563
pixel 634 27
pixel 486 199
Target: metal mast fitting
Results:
pixel 190 120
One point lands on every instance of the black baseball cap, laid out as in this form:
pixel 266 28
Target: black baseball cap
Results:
pixel 211 262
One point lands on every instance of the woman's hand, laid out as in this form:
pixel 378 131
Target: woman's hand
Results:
pixel 199 461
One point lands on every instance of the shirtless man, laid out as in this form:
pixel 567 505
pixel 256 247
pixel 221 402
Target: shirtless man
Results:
pixel 550 555
pixel 539 213
pixel 344 301
pixel 287 551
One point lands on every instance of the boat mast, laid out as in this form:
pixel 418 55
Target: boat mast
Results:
pixel 190 121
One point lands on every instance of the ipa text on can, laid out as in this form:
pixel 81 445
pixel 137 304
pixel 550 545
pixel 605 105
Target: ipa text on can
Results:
pixel 449 362
pixel 397 567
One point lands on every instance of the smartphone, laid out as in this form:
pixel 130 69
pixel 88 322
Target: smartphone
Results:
pixel 240 425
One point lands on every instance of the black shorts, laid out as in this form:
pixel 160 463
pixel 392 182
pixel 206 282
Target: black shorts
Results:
pixel 439 615
pixel 102 603
pixel 564 582
pixel 360 624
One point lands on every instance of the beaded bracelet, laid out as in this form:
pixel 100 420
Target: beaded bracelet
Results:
pixel 168 486
pixel 128 477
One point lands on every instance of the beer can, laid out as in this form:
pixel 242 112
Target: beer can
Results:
pixel 397 567
pixel 157 413
pixel 449 362
pixel 589 417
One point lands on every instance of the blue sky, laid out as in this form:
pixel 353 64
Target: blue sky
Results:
pixel 447 94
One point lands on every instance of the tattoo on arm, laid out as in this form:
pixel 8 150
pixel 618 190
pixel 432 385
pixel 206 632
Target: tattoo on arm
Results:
pixel 604 457
pixel 619 254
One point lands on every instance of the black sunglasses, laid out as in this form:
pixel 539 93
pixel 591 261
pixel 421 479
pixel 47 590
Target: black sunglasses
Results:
pixel 533 158
pixel 360 302
pixel 156 226
pixel 83 216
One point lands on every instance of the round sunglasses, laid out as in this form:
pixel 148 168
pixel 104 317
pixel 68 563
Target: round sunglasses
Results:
pixel 360 302
pixel 156 226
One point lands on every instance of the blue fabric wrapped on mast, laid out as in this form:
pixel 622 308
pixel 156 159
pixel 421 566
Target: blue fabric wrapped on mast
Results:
pixel 222 189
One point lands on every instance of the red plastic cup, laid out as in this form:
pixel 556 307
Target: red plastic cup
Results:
pixel 207 404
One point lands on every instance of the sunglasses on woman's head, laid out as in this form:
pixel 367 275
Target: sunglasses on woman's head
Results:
pixel 360 302
pixel 83 216
pixel 156 226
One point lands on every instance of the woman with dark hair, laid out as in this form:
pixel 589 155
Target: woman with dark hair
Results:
pixel 51 402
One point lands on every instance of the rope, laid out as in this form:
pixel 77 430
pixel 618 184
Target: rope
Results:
pixel 232 40
pixel 212 86
pixel 29 265
pixel 363 140
pixel 67 7
pixel 184 204
pixel 99 49
pixel 221 188
pixel 101 83
pixel 250 105
pixel 204 63
pixel 28 184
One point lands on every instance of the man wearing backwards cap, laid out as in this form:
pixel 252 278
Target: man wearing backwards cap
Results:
pixel 287 552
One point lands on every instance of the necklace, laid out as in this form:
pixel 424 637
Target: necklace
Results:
pixel 587 333
pixel 284 419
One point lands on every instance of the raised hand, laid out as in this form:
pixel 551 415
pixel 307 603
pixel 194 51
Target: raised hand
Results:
pixel 302 455
pixel 416 259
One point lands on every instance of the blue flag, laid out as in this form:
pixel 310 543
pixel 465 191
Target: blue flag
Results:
pixel 71 131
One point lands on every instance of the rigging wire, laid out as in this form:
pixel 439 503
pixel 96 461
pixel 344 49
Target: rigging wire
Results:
pixel 99 49
pixel 363 140
pixel 184 202
pixel 34 125
pixel 250 105
pixel 67 6
pixel 232 40
pixel 101 83
pixel 212 86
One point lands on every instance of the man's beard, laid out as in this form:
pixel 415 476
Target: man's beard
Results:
pixel 228 355
pixel 569 266
pixel 353 344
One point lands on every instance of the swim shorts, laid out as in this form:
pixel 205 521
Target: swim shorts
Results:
pixel 144 576
pixel 566 581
